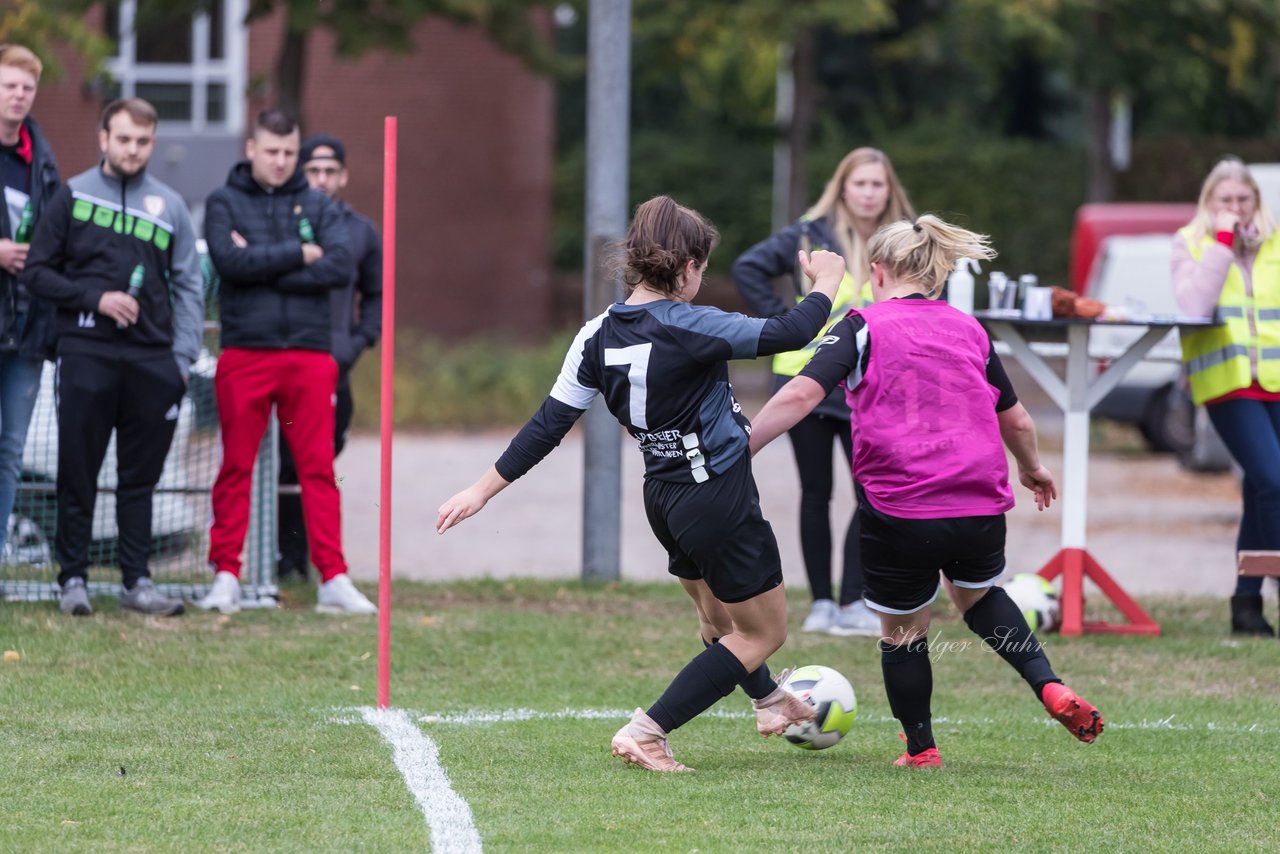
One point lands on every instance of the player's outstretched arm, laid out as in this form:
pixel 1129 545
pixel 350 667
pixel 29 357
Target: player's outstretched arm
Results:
pixel 784 410
pixel 471 500
pixel 1019 434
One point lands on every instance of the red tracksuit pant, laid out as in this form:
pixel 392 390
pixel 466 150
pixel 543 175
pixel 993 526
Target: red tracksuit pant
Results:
pixel 301 383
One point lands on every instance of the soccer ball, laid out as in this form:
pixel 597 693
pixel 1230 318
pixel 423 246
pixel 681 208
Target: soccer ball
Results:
pixel 1036 599
pixel 834 699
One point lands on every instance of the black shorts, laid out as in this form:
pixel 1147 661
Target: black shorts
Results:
pixel 714 531
pixel 901 557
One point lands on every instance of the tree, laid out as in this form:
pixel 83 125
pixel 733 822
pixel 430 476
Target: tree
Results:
pixel 725 54
pixel 359 25
pixel 364 25
pixel 1177 61
pixel 42 25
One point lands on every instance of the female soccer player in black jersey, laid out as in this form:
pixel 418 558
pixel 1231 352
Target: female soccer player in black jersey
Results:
pixel 661 364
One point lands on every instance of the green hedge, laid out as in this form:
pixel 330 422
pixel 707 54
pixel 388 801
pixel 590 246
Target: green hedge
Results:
pixel 1022 192
pixel 480 382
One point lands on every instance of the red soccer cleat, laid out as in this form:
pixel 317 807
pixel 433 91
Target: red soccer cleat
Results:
pixel 927 758
pixel 1075 713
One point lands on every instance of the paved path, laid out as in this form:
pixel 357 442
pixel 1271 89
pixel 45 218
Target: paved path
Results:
pixel 1153 526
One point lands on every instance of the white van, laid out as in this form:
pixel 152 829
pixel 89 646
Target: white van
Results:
pixel 1134 273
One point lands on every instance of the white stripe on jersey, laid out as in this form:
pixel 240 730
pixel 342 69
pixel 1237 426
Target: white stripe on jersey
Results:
pixel 860 339
pixel 568 389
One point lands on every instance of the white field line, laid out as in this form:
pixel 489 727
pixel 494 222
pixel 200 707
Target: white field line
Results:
pixel 482 717
pixel 453 829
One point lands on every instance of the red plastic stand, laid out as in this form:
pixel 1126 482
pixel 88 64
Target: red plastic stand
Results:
pixel 1074 565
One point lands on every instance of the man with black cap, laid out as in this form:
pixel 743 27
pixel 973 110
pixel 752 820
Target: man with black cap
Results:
pixel 357 323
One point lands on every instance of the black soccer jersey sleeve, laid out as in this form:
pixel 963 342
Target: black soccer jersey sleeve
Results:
pixel 793 330
pixel 571 395
pixel 537 438
pixel 842 350
pixel 999 379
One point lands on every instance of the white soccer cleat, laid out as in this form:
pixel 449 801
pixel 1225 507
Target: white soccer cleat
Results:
pixel 339 596
pixel 223 595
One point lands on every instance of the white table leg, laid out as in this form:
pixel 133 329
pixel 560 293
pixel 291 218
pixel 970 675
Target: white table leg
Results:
pixel 1075 440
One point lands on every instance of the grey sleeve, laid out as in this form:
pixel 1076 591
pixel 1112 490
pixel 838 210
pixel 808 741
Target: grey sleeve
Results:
pixel 186 285
pixel 716 335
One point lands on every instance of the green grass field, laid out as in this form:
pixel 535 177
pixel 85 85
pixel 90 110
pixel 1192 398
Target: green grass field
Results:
pixel 245 733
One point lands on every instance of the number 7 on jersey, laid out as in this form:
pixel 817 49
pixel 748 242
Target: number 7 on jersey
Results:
pixel 636 358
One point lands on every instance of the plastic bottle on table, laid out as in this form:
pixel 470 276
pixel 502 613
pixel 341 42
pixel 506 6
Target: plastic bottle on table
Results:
pixel 960 285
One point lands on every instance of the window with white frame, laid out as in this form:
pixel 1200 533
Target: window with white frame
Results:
pixel 190 66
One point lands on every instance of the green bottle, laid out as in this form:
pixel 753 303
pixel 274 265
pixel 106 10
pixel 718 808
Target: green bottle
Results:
pixel 25 225
pixel 135 285
pixel 305 231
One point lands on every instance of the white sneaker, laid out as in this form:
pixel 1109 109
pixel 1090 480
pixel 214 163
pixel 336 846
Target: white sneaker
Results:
pixel 821 616
pixel 223 595
pixel 856 619
pixel 339 596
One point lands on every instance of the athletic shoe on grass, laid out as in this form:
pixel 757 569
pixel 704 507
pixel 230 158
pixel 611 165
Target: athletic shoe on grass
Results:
pixel 643 743
pixel 75 598
pixel 339 596
pixel 821 615
pixel 223 595
pixel 781 709
pixel 1072 711
pixel 856 619
pixel 927 758
pixel 146 599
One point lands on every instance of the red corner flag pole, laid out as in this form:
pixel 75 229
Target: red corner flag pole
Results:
pixel 388 375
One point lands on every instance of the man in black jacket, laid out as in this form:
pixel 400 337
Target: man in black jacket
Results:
pixel 29 176
pixel 280 248
pixel 116 253
pixel 357 323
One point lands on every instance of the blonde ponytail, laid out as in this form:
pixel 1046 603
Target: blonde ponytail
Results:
pixel 925 251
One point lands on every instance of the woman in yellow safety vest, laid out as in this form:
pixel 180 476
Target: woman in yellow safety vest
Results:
pixel 863 194
pixel 1226 264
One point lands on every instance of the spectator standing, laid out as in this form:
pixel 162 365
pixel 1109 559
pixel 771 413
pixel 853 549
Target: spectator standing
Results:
pixel 862 194
pixel 1226 263
pixel 357 323
pixel 280 248
pixel 30 178
pixel 116 253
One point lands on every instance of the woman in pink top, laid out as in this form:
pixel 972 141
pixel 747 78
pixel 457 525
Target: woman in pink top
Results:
pixel 1226 262
pixel 932 412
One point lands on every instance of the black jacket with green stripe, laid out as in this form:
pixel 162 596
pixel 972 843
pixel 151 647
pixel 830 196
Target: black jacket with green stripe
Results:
pixel 96 230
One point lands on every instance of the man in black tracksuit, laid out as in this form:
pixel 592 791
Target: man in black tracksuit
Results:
pixel 116 253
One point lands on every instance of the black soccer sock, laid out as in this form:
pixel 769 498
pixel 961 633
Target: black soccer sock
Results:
pixel 908 681
pixel 758 684
pixel 712 674
pixel 996 619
